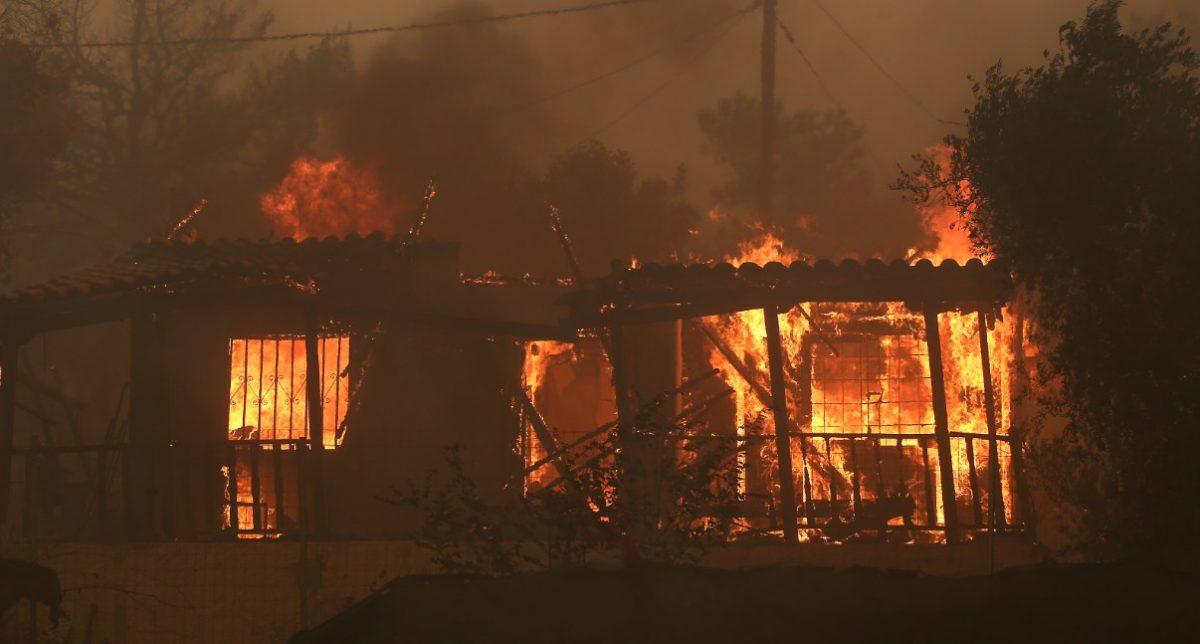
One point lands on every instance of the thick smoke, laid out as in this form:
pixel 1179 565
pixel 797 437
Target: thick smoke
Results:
pixel 458 107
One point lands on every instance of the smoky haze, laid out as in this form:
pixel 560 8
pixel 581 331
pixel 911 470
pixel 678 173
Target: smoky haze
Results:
pixel 489 110
pixel 505 97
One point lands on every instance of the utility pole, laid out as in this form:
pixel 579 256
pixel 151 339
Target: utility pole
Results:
pixel 766 165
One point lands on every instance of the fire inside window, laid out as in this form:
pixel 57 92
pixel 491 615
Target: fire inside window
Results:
pixel 269 419
pixel 874 384
pixel 570 386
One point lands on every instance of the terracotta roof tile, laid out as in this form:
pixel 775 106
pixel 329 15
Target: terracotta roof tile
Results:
pixel 161 263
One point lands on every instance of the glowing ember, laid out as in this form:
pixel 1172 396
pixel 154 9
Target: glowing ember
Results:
pixel 321 198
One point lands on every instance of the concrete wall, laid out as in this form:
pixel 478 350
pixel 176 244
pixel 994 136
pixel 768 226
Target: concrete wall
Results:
pixel 204 592
pixel 248 591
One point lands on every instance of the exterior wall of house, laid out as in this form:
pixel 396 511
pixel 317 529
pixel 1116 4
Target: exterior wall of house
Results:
pixel 74 391
pixel 83 370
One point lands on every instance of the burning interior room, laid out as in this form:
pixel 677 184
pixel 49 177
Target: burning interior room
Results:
pixel 875 371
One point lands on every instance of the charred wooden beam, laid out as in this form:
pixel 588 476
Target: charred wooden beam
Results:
pixel 802 376
pixel 683 388
pixel 995 494
pixel 564 240
pixel 423 217
pixel 812 326
pixel 937 380
pixel 693 411
pixel 783 444
pixel 231 487
pixel 1023 507
pixel 735 361
pixel 973 481
pixel 541 430
pixel 316 417
pixel 680 416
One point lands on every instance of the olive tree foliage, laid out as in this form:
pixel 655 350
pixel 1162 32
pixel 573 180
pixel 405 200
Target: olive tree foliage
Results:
pixel 827 201
pixel 32 132
pixel 1084 173
pixel 612 212
pixel 649 493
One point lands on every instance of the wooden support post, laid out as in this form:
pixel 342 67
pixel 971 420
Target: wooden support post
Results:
pixel 212 508
pixel 930 502
pixel 143 478
pixel 231 486
pixel 186 457
pixel 803 377
pixel 316 416
pixel 277 474
pixel 766 166
pixel 620 374
pixel 8 405
pixel 30 517
pixel 101 482
pixel 937 381
pixel 1023 508
pixel 995 494
pixel 256 504
pixel 783 443
pixel 973 482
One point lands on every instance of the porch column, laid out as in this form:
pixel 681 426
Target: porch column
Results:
pixel 995 493
pixel 316 419
pixel 783 443
pixel 145 497
pixel 645 372
pixel 937 381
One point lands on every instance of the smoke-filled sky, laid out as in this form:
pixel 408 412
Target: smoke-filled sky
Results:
pixel 929 46
pixel 489 110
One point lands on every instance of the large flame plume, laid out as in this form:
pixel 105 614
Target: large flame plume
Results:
pixel 336 197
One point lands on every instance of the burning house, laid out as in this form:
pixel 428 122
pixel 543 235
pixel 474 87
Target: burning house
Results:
pixel 248 398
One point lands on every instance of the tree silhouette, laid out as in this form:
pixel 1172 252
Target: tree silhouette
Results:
pixel 1084 172
pixel 824 196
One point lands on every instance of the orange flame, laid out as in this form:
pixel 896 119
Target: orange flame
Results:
pixel 945 223
pixel 321 198
pixel 873 382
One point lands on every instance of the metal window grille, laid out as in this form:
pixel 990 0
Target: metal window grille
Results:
pixel 269 414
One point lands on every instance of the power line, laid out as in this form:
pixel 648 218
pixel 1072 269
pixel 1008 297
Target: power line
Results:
pixel 900 86
pixel 791 38
pixel 676 76
pixel 416 26
pixel 787 33
pixel 635 62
